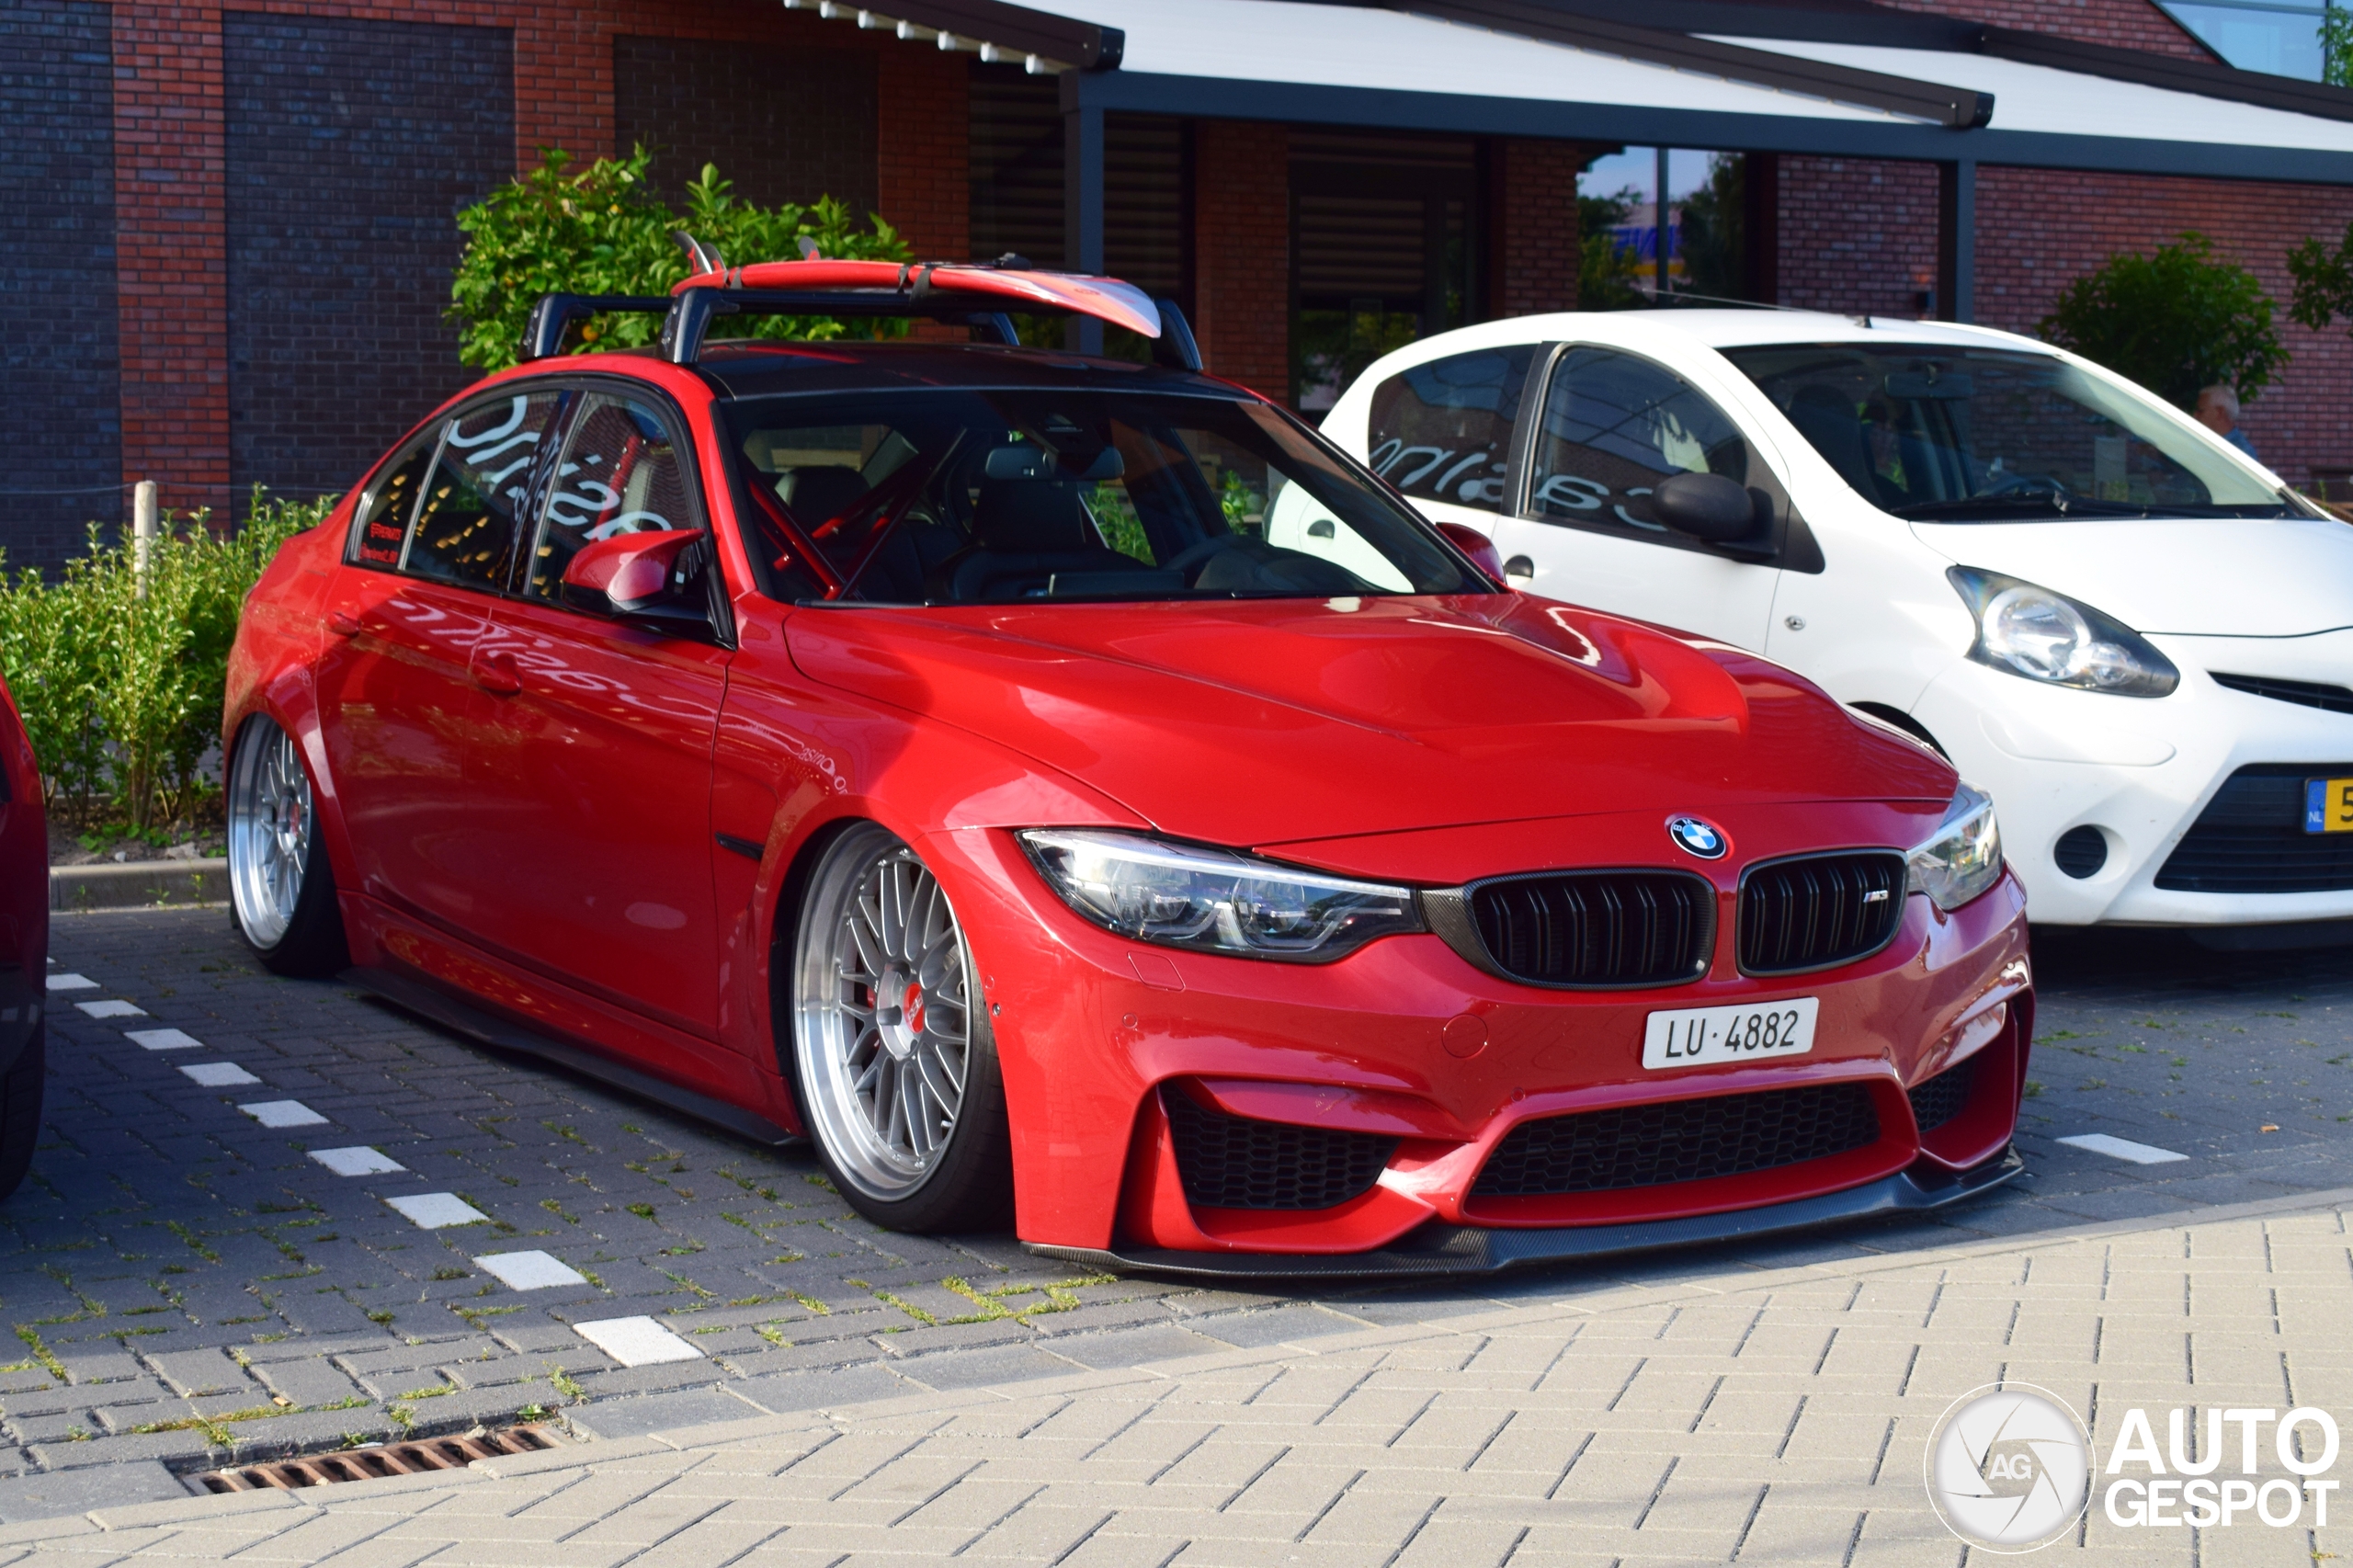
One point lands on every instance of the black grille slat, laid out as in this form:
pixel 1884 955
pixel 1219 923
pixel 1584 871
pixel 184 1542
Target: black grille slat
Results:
pixel 1819 911
pixel 2251 838
pixel 1944 1097
pixel 2305 693
pixel 1597 928
pixel 1651 1145
pixel 1233 1162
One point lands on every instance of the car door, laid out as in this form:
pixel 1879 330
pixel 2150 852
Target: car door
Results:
pixel 432 543
pixel 597 763
pixel 1609 426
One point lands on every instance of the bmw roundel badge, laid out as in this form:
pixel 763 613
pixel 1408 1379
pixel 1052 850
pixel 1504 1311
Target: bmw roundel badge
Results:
pixel 1694 836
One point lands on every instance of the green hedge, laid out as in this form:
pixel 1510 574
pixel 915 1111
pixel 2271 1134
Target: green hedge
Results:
pixel 122 693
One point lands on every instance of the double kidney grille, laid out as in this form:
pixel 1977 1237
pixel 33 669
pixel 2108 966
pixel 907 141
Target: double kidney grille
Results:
pixel 1818 911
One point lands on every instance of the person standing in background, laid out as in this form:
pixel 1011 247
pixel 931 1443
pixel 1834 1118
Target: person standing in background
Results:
pixel 2218 409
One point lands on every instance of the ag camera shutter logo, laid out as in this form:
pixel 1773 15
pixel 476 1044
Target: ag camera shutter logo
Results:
pixel 2008 1467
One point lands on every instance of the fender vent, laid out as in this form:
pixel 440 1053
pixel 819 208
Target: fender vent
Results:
pixel 1943 1096
pixel 1233 1162
pixel 384 1460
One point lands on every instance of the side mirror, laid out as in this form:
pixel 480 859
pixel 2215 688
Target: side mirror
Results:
pixel 1479 548
pixel 1705 506
pixel 636 578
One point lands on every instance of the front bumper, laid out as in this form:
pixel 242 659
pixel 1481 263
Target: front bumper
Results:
pixel 1437 1248
pixel 2139 771
pixel 1406 1044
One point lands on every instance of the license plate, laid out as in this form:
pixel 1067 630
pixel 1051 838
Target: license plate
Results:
pixel 1703 1036
pixel 2328 805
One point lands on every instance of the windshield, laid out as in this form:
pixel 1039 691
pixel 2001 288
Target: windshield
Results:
pixel 1988 434
pixel 989 496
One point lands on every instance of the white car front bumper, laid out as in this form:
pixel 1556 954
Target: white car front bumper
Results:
pixel 2141 771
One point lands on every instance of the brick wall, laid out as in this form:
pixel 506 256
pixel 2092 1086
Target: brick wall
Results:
pixel 1858 235
pixel 1532 238
pixel 2037 230
pixel 1241 254
pixel 2125 24
pixel 57 315
pixel 350 146
pixel 784 123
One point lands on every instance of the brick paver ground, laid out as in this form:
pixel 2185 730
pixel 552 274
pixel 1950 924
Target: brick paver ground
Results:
pixel 1708 1415
pixel 189 1286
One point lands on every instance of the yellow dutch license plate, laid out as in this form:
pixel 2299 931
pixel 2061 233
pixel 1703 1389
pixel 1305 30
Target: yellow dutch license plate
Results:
pixel 2328 805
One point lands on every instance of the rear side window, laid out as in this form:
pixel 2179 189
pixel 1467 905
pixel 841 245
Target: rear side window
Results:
pixel 381 525
pixel 465 530
pixel 1442 431
pixel 620 474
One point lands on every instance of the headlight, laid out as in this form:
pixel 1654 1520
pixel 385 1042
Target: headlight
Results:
pixel 1964 858
pixel 2031 631
pixel 1213 900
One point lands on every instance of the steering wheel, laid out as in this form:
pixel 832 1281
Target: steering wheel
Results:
pixel 1193 556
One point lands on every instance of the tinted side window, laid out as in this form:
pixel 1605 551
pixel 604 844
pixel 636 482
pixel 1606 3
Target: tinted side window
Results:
pixel 382 521
pixel 465 530
pixel 1615 425
pixel 620 474
pixel 1442 431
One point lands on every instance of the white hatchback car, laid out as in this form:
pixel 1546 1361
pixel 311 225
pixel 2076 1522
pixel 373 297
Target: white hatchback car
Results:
pixel 2138 640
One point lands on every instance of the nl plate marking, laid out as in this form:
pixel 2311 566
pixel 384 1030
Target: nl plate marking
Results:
pixel 1703 1036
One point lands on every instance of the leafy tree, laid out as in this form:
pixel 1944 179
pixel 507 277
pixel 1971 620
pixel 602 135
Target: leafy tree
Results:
pixel 2336 47
pixel 1712 234
pixel 2176 320
pixel 2323 275
pixel 605 229
pixel 1605 274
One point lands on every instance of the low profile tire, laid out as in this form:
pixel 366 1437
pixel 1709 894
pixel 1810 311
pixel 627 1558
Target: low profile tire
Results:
pixel 20 1096
pixel 281 894
pixel 892 1051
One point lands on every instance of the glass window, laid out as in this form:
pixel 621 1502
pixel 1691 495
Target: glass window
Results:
pixel 465 530
pixel 1442 431
pixel 620 474
pixel 2282 37
pixel 381 522
pixel 991 496
pixel 1615 425
pixel 1997 435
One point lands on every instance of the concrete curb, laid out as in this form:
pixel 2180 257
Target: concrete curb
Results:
pixel 138 884
pixel 698 1442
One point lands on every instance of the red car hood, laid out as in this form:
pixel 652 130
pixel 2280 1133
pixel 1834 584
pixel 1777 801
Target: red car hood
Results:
pixel 1257 724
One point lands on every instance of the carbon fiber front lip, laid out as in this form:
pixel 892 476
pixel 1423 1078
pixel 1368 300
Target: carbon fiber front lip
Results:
pixel 1439 1249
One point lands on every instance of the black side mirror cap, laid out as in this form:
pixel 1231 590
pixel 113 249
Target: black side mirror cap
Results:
pixel 1706 506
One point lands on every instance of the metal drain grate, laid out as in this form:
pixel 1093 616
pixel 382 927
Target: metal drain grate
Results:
pixel 418 1458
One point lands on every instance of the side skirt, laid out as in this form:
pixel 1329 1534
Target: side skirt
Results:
pixel 429 1001
pixel 1441 1249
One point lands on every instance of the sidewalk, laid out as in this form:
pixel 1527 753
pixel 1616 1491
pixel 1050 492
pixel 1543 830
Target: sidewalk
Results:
pixel 1711 1411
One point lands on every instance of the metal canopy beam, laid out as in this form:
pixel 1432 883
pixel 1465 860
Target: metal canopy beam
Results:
pixel 1082 205
pixel 1132 92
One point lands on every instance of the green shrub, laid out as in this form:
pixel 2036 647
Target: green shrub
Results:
pixel 605 229
pixel 121 692
pixel 2176 320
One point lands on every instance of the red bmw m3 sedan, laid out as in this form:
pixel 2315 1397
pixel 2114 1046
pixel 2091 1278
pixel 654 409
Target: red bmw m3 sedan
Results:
pixel 1066 790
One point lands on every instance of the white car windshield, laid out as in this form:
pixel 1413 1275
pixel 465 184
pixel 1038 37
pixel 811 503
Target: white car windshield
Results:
pixel 1992 435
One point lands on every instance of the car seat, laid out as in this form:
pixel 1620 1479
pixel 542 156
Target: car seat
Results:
pixel 1826 418
pixel 1026 531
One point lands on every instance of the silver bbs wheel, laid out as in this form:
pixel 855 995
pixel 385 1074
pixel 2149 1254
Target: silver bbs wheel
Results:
pixel 269 832
pixel 880 1020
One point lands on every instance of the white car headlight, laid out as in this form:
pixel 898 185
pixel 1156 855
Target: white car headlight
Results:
pixel 2025 631
pixel 1963 856
pixel 1183 895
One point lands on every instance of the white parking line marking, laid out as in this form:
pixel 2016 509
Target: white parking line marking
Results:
pixel 636 1342
pixel 72 982
pixel 161 1040
pixel 284 1113
pixel 112 1009
pixel 219 1074
pixel 432 1210
pixel 359 1160
pixel 2122 1149
pixel 530 1270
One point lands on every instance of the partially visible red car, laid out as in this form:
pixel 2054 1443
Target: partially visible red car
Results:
pixel 24 946
pixel 1067 785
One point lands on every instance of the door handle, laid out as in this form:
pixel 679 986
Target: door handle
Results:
pixel 493 671
pixel 342 624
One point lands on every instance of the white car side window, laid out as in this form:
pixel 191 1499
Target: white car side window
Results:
pixel 1441 430
pixel 1614 426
